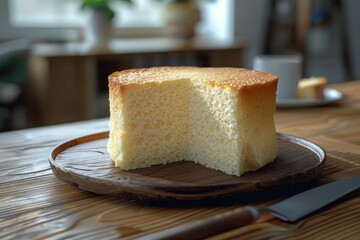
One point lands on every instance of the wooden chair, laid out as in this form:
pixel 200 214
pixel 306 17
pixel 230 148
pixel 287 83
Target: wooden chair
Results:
pixel 13 72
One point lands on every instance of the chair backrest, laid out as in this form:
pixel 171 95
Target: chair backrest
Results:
pixel 13 61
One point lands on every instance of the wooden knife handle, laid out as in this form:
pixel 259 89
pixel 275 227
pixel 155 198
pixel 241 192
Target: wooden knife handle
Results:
pixel 210 226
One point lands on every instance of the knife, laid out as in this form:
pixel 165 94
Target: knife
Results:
pixel 289 210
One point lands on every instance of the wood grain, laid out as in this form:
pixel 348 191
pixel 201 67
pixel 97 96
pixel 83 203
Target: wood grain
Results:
pixel 34 204
pixel 85 162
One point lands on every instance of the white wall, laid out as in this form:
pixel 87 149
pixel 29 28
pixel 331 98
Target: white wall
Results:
pixel 218 19
pixel 250 24
pixel 244 19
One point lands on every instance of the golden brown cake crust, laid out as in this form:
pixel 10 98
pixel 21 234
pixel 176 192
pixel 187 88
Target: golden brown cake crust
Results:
pixel 235 78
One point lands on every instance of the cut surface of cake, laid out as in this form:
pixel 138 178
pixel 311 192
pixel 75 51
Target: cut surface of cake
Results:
pixel 311 88
pixel 221 118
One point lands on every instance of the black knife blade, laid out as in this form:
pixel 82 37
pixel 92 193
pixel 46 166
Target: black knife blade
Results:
pixel 289 210
pixel 303 204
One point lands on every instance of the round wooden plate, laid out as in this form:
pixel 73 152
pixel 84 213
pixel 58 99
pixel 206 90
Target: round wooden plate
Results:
pixel 84 161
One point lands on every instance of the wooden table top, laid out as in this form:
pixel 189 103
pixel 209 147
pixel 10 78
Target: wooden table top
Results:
pixel 34 204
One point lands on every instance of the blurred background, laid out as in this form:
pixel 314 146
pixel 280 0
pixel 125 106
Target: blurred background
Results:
pixel 56 55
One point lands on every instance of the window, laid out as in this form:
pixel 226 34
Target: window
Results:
pixel 60 20
pixel 67 13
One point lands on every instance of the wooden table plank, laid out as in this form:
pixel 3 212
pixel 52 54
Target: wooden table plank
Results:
pixel 34 204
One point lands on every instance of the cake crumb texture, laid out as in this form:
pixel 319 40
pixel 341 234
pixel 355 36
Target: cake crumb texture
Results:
pixel 221 118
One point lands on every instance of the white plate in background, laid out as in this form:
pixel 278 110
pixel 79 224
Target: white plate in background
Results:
pixel 330 96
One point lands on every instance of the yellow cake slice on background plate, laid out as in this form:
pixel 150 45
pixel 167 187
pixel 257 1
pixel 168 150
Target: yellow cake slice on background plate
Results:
pixel 311 88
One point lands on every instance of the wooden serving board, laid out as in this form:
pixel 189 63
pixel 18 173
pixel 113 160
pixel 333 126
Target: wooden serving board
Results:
pixel 85 162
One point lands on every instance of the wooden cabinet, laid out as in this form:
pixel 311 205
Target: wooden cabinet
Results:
pixel 64 81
